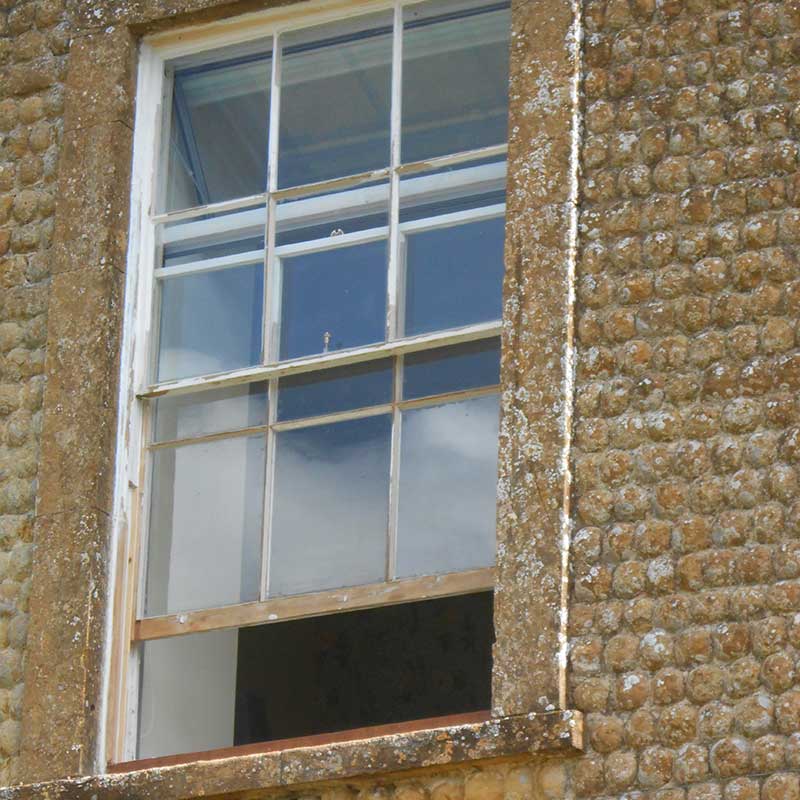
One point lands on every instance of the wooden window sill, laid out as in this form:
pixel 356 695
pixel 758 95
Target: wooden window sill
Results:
pixel 240 772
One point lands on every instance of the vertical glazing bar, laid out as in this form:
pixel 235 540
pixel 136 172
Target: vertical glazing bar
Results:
pixel 274 115
pixel 393 297
pixel 394 470
pixel 267 344
pixel 270 330
pixel 272 416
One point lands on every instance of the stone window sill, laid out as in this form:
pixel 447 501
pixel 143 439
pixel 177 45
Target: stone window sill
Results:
pixel 237 775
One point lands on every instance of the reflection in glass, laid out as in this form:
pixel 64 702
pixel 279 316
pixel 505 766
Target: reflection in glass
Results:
pixel 455 77
pixel 332 214
pixel 451 369
pixel 187 696
pixel 335 98
pixel 330 506
pixel 454 276
pixel 213 236
pixel 448 485
pixel 204 544
pixel 218 135
pixel 332 390
pixel 452 189
pixel 213 411
pixel 210 322
pixel 333 299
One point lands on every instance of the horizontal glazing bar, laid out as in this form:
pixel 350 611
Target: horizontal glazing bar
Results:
pixel 455 158
pixel 210 265
pixel 325 361
pixel 208 437
pixel 324 419
pixel 339 416
pixel 247 222
pixel 332 242
pixel 333 185
pixel 456 218
pixel 175 43
pixel 349 182
pixel 450 397
pixel 317 604
pixel 210 209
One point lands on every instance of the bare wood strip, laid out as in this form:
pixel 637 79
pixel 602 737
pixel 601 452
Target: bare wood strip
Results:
pixel 207 437
pixel 211 209
pixel 454 158
pixel 450 397
pixel 281 609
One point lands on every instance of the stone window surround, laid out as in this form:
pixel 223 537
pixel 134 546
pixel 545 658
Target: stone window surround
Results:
pixel 66 674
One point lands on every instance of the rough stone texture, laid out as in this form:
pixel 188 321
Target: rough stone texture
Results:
pixel 686 593
pixel 33 43
pixel 526 673
pixel 491 745
pixel 685 597
pixel 544 780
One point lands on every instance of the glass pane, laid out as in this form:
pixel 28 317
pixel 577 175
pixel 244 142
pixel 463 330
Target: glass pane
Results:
pixel 214 236
pixel 332 390
pixel 335 99
pixel 333 214
pixel 448 487
pixel 455 77
pixel 217 410
pixel 204 547
pixel 210 322
pixel 188 690
pixel 333 299
pixel 218 133
pixel 453 190
pixel 454 275
pixel 330 507
pixel 451 369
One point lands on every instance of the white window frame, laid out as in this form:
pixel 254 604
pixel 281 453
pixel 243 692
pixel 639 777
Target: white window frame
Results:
pixel 118 737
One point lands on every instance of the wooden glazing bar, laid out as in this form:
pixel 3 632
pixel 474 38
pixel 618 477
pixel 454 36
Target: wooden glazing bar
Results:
pixel 326 360
pixel 280 609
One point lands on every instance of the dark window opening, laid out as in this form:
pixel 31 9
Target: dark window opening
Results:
pixel 361 668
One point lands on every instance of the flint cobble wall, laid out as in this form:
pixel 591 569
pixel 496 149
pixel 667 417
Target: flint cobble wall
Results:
pixel 34 40
pixel 685 631
pixel 685 600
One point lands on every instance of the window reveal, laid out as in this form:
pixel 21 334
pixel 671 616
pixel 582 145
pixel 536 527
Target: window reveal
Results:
pixel 323 399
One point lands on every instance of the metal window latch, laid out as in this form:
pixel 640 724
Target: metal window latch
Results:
pixel 337 232
pixel 326 340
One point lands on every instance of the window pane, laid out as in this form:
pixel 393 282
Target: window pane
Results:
pixel 218 134
pixel 455 77
pixel 210 322
pixel 333 299
pixel 373 667
pixel 335 98
pixel 448 487
pixel 332 390
pixel 303 677
pixel 217 410
pixel 456 189
pixel 451 369
pixel 214 236
pixel 454 275
pixel 325 216
pixel 330 506
pixel 204 547
pixel 188 689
